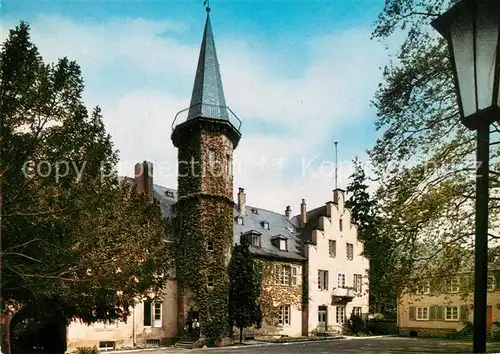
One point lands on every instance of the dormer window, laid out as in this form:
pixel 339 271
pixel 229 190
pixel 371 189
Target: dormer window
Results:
pixel 290 230
pixel 265 224
pixel 239 220
pixel 256 241
pixel 255 211
pixel 280 242
pixel 169 193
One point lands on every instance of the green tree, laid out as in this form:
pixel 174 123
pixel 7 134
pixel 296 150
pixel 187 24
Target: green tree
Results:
pixel 244 289
pixel 425 158
pixel 378 247
pixel 76 243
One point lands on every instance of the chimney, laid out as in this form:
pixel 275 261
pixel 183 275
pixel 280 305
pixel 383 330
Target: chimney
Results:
pixel 303 213
pixel 288 211
pixel 144 178
pixel 242 201
pixel 338 198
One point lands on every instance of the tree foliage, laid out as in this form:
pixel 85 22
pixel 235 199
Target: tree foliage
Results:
pixel 244 289
pixel 425 159
pixel 378 246
pixel 73 235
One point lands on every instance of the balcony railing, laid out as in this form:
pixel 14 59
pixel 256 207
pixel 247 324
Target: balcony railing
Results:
pixel 207 111
pixel 343 292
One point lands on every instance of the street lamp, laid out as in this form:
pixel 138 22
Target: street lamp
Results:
pixel 472 29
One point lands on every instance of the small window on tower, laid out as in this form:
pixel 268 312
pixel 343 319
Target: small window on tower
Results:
pixel 340 224
pixel 210 245
pixel 211 158
pixel 229 165
pixel 210 282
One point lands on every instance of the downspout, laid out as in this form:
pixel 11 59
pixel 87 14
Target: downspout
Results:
pixel 133 327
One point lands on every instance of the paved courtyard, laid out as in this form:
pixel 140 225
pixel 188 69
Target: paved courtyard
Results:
pixel 355 345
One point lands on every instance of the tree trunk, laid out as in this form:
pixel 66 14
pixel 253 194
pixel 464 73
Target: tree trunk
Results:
pixel 241 334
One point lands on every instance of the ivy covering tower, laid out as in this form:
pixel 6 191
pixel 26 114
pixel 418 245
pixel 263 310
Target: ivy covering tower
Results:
pixel 205 140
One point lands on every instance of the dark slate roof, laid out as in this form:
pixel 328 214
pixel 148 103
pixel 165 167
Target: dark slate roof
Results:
pixel 278 225
pixel 311 224
pixel 207 99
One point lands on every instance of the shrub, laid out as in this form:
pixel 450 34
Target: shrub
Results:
pixel 87 350
pixel 354 324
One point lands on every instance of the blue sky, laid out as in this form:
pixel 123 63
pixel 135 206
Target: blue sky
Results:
pixel 299 74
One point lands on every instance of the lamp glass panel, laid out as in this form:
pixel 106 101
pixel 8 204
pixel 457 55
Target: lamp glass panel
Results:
pixel 462 41
pixel 486 51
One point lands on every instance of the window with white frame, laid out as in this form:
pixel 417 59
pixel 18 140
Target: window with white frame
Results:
pixel 256 240
pixel 340 314
pixel 283 245
pixel 452 285
pixel 491 283
pixel 295 278
pixel 423 288
pixel 350 251
pixel 210 245
pixel 322 279
pixel 285 275
pixel 422 313
pixel 284 315
pixel 358 283
pixel 332 248
pixel 356 311
pixel 341 281
pixel 157 314
pixel 451 313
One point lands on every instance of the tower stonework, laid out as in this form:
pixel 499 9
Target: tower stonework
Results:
pixel 204 210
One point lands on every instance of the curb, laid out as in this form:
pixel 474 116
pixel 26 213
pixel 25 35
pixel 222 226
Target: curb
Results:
pixel 267 344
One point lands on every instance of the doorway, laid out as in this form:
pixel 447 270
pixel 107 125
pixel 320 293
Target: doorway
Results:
pixel 322 318
pixel 489 317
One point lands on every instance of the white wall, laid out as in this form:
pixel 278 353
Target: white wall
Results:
pixel 319 259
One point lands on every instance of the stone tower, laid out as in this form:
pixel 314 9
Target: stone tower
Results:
pixel 205 135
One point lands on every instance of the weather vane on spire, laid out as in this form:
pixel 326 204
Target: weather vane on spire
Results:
pixel 206 3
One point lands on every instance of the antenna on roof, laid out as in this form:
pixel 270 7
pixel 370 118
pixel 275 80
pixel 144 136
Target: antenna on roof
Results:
pixel 336 166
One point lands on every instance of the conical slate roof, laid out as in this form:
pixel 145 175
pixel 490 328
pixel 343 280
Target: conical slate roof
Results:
pixel 207 99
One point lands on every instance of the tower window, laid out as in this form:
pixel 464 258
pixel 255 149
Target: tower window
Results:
pixel 210 245
pixel 229 165
pixel 210 282
pixel 211 158
pixel 340 225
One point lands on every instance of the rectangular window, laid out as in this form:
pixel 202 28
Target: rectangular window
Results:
pixel 341 281
pixel 356 311
pixel 452 285
pixel 106 346
pixel 451 313
pixel 350 251
pixel 295 279
pixel 332 248
pixel 285 275
pixel 256 240
pixel 210 282
pixel 491 283
pixel 422 313
pixel 210 246
pixel 424 288
pixel 147 313
pixel 229 165
pixel 358 283
pixel 284 315
pixel 340 225
pixel 340 315
pixel 282 245
pixel 157 314
pixel 211 158
pixel 322 279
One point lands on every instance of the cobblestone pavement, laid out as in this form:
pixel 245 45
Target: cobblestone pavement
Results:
pixel 348 345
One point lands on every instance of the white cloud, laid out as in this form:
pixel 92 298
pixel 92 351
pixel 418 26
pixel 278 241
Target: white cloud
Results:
pixel 332 92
